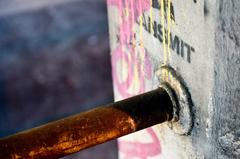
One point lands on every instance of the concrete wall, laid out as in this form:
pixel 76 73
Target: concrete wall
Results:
pixel 226 106
pixel 200 40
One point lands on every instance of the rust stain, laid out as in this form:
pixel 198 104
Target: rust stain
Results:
pixel 72 134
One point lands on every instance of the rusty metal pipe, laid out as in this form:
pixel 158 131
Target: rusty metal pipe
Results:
pixel 72 134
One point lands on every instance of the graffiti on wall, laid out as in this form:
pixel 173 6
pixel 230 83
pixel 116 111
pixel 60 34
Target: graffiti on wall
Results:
pixel 140 150
pixel 132 65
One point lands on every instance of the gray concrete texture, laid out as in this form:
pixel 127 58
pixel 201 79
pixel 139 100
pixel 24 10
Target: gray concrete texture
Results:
pixel 210 31
pixel 54 62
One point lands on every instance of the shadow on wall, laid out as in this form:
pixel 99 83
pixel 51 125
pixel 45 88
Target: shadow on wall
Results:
pixel 54 62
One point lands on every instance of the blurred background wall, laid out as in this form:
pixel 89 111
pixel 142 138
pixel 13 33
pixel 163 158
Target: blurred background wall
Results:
pixel 54 62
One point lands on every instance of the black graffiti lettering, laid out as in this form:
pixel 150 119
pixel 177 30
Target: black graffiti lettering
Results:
pixel 189 55
pixel 160 35
pixel 188 52
pixel 166 36
pixel 144 22
pixel 149 25
pixel 157 5
pixel 172 12
pixel 155 34
pixel 175 43
pixel 182 49
pixel 192 49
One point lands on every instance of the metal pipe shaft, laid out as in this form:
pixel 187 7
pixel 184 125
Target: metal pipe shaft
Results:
pixel 72 134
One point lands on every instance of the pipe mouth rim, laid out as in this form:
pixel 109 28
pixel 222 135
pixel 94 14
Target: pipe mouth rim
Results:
pixel 183 121
pixel 173 99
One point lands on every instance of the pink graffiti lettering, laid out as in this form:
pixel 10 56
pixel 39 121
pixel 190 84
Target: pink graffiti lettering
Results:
pixel 141 150
pixel 126 51
pixel 137 64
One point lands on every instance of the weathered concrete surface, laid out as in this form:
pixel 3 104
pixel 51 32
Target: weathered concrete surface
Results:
pixel 226 103
pixel 200 40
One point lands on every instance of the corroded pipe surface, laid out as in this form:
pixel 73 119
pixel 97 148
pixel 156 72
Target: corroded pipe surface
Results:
pixel 72 134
